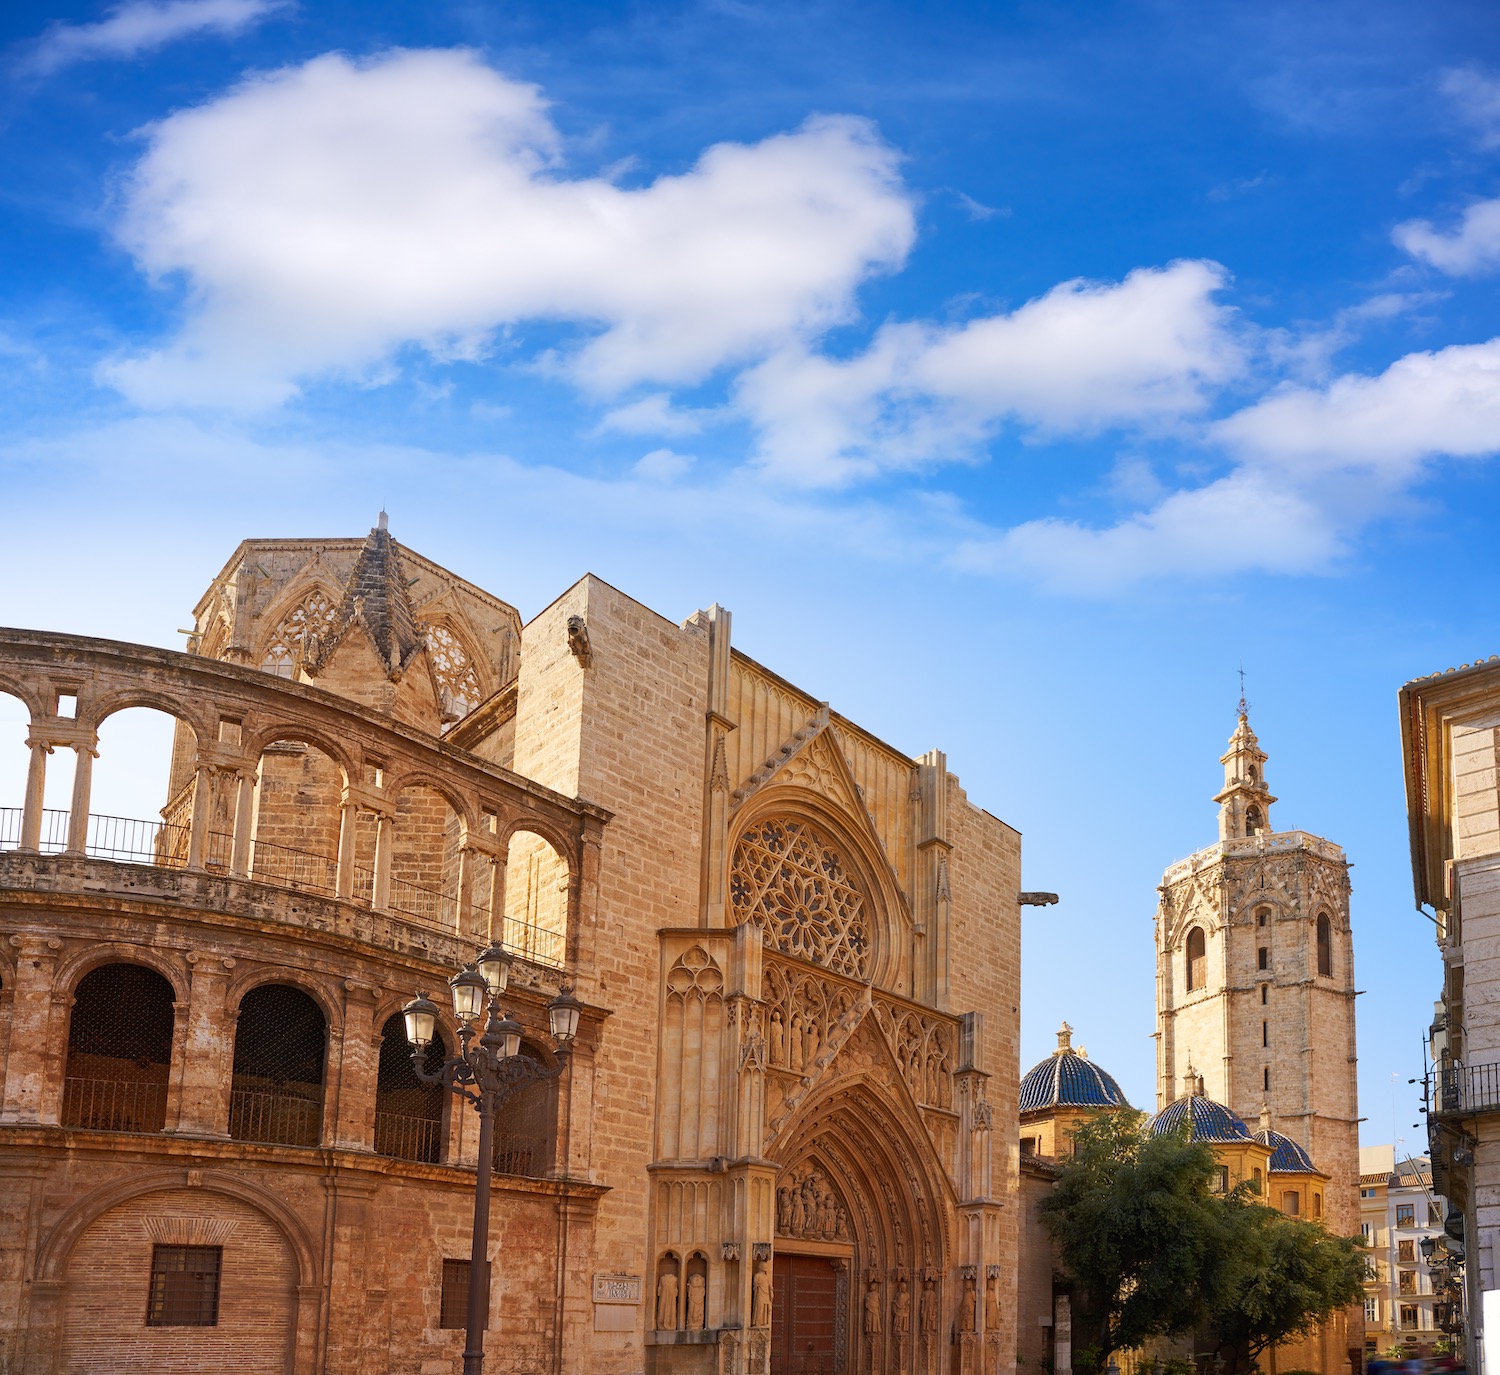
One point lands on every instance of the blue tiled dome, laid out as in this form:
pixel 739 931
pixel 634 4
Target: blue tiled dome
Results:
pixel 1287 1157
pixel 1207 1120
pixel 1066 1079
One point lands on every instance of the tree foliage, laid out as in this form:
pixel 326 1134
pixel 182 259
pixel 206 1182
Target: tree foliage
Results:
pixel 1154 1252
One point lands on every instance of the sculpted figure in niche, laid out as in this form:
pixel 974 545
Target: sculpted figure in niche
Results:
pixel 760 1297
pixel 797 1041
pixel 812 1043
pixel 799 1213
pixel 967 1316
pixel 778 1040
pixel 901 1311
pixel 872 1310
pixel 666 1302
pixel 784 1211
pixel 929 1311
pixel 697 1294
pixel 992 1304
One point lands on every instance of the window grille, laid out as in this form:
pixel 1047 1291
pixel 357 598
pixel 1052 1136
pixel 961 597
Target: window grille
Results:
pixel 453 1309
pixel 523 1126
pixel 119 1051
pixel 184 1286
pixel 408 1113
pixel 277 1092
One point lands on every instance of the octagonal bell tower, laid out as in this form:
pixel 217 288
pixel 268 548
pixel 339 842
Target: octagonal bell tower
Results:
pixel 1255 976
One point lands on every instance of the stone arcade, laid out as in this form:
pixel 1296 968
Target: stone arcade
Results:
pixel 785 1141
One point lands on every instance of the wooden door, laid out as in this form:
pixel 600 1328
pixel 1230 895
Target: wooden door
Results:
pixel 803 1339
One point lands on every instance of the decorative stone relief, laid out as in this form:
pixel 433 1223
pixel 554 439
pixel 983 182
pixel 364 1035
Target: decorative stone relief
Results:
pixel 923 1046
pixel 298 632
pixel 804 1017
pixel 808 1208
pixel 696 974
pixel 790 880
pixel 452 668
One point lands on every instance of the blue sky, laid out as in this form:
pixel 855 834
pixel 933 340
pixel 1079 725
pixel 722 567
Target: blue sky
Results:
pixel 1011 371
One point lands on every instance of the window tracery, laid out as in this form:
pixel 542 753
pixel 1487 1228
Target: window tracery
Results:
pixel 310 618
pixel 453 668
pixel 790 880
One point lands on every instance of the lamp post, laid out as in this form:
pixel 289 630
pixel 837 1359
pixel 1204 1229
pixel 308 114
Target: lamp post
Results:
pixel 486 1071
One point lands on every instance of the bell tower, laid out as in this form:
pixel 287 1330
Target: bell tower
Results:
pixel 1255 976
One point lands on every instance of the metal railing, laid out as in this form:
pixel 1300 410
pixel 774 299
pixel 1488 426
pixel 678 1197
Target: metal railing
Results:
pixel 1459 1090
pixel 274 1118
pixel 130 840
pixel 520 1154
pixel 408 1138
pixel 114 1105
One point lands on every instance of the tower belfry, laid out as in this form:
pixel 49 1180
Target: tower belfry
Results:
pixel 1255 976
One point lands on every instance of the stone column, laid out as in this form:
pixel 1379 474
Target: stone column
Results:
pixel 348 820
pixel 244 823
pixel 78 817
pixel 497 899
pixel 36 791
pixel 380 896
pixel 207 1066
pixel 464 917
pixel 38 1026
pixel 203 800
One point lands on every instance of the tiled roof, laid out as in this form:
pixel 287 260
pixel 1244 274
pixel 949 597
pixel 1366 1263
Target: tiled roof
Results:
pixel 1287 1157
pixel 1207 1120
pixel 1066 1079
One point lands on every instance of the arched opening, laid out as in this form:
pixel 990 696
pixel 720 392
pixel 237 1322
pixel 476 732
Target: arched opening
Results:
pixel 524 1125
pixel 142 787
pixel 536 900
pixel 119 1050
pixel 1197 959
pixel 280 1046
pixel 1254 773
pixel 424 857
pixel 15 762
pixel 408 1113
pixel 298 794
pixel 454 671
pixel 297 631
pixel 1254 823
pixel 1325 946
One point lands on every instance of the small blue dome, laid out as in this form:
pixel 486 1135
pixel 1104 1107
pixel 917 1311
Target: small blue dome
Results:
pixel 1287 1157
pixel 1207 1120
pixel 1065 1079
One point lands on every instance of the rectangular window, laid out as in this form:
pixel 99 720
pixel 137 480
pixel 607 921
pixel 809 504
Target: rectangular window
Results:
pixel 1406 1252
pixel 1406 1215
pixel 1409 1316
pixel 1406 1282
pixel 1367 1233
pixel 1265 1033
pixel 1291 1203
pixel 1367 1193
pixel 1263 992
pixel 1264 956
pixel 184 1286
pixel 1434 1215
pixel 1265 1078
pixel 1372 1309
pixel 454 1308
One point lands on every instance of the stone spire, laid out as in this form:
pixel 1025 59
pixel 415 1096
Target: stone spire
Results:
pixel 1064 1039
pixel 375 598
pixel 1245 802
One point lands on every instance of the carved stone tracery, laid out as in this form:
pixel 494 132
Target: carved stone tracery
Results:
pixel 452 668
pixel 311 617
pixel 923 1047
pixel 789 878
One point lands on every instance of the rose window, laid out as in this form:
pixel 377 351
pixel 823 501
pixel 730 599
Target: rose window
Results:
pixel 789 879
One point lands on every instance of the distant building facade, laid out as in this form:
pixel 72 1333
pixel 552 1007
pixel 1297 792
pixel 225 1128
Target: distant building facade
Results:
pixel 1400 1222
pixel 789 1121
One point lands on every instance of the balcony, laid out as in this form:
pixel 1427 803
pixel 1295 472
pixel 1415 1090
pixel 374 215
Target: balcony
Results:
pixel 1464 1090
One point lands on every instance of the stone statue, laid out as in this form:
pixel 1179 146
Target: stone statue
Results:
pixel 872 1309
pixel 967 1314
pixel 697 1294
pixel 760 1297
pixel 929 1310
pixel 901 1311
pixel 778 1040
pixel 666 1302
pixel 992 1304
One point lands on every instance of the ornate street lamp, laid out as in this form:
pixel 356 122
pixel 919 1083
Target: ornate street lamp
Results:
pixel 486 1072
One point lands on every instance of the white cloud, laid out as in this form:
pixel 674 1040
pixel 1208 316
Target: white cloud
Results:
pixel 655 414
pixel 141 26
pixel 324 215
pixel 663 465
pixel 1472 248
pixel 1478 99
pixel 1086 356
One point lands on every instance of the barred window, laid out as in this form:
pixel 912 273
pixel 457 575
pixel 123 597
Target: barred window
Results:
pixel 184 1286
pixel 453 1310
pixel 408 1113
pixel 279 1046
pixel 523 1126
pixel 119 1051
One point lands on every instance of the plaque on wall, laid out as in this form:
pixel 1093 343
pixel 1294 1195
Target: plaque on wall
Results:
pixel 617 1289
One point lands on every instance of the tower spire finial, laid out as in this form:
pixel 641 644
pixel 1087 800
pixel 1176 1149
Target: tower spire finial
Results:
pixel 1244 705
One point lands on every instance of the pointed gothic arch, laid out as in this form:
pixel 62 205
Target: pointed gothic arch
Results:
pixel 306 608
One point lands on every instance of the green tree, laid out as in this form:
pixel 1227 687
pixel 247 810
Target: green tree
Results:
pixel 1138 1231
pixel 1155 1252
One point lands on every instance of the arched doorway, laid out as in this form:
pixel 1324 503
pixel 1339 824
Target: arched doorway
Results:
pixel 864 1222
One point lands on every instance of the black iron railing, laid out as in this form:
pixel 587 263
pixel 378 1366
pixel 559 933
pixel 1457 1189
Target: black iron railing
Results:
pixel 274 1118
pixel 1460 1090
pixel 408 1138
pixel 517 1153
pixel 114 1105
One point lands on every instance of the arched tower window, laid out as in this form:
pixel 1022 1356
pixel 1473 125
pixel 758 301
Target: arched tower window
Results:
pixel 408 1113
pixel 1325 946
pixel 1197 959
pixel 119 1051
pixel 280 1044
pixel 453 669
pixel 1254 823
pixel 791 879
pixel 312 616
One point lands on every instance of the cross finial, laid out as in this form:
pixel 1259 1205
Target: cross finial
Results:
pixel 1244 705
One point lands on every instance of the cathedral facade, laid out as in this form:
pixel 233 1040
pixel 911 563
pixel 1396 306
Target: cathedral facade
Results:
pixel 784 1139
